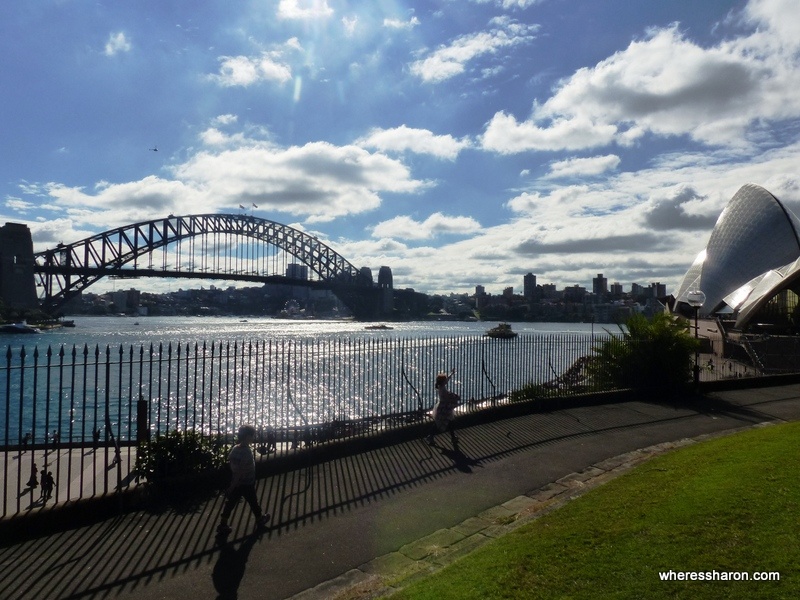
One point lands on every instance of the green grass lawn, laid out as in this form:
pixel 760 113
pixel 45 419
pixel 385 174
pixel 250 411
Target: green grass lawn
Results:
pixel 730 504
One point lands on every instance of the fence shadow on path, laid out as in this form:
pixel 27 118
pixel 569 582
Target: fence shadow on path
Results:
pixel 129 553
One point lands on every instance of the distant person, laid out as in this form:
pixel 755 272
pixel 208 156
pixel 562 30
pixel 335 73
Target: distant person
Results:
pixel 56 437
pixel 26 439
pixel 444 411
pixel 95 438
pixel 267 441
pixel 243 480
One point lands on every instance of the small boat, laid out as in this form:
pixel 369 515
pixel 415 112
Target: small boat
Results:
pixel 381 327
pixel 22 327
pixel 502 331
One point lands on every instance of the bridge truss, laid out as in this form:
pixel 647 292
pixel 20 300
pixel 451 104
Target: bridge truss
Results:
pixel 210 246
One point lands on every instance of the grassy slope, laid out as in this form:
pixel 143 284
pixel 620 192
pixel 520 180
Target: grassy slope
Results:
pixel 731 504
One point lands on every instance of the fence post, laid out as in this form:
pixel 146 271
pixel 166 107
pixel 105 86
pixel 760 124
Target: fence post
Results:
pixel 142 421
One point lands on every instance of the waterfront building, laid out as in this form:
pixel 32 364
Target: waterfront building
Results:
pixel 750 269
pixel 638 291
pixel 574 293
pixel 549 290
pixel 600 285
pixel 529 286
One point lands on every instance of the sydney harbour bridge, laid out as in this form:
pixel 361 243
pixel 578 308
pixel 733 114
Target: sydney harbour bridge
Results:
pixel 209 246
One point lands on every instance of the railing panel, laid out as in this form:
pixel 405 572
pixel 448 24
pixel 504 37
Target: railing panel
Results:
pixel 79 411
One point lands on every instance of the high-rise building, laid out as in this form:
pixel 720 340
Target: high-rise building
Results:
pixel 575 293
pixel 600 285
pixel 529 286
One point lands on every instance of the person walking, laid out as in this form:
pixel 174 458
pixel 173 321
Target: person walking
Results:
pixel 243 481
pixel 48 483
pixel 443 412
pixel 33 482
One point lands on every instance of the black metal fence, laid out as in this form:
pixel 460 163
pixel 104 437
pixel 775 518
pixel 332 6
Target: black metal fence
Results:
pixel 79 412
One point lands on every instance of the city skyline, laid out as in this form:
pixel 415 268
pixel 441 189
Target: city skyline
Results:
pixel 458 143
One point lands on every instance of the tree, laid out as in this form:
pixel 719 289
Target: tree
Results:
pixel 655 356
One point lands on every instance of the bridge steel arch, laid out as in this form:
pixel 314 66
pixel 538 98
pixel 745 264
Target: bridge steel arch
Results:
pixel 68 269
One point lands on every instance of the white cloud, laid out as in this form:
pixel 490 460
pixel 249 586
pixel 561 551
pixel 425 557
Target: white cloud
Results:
pixel 130 202
pixel 226 119
pixel 506 4
pixel 400 24
pixel 47 234
pixel 583 167
pixel 405 227
pixel 317 181
pixel 421 141
pixel 668 86
pixel 246 70
pixel 214 137
pixel 18 205
pixel 779 18
pixel 505 135
pixel 304 9
pixel 117 42
pixel 350 24
pixel 451 60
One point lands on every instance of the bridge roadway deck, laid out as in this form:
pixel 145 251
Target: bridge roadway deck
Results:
pixel 342 521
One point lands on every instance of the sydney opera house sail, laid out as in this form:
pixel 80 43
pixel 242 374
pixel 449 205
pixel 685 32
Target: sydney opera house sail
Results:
pixel 751 261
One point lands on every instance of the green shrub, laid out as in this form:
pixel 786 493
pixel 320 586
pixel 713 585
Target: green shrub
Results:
pixel 180 453
pixel 656 356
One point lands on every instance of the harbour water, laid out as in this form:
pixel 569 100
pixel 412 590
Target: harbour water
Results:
pixel 126 331
pixel 214 373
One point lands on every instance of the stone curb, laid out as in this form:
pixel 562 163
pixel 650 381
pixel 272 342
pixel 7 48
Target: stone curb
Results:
pixel 387 574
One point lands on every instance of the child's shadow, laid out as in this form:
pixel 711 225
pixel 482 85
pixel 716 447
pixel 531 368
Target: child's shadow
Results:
pixel 230 567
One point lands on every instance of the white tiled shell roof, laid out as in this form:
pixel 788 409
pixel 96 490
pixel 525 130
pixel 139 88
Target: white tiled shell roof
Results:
pixel 754 234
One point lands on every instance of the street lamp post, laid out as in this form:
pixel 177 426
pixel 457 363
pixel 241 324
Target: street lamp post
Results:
pixel 696 299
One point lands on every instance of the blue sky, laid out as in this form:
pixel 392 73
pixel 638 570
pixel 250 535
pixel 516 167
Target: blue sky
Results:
pixel 459 142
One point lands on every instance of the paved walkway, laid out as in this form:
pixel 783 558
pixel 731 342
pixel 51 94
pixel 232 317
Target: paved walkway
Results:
pixel 367 522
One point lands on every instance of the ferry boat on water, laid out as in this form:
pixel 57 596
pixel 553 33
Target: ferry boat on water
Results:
pixel 22 327
pixel 501 331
